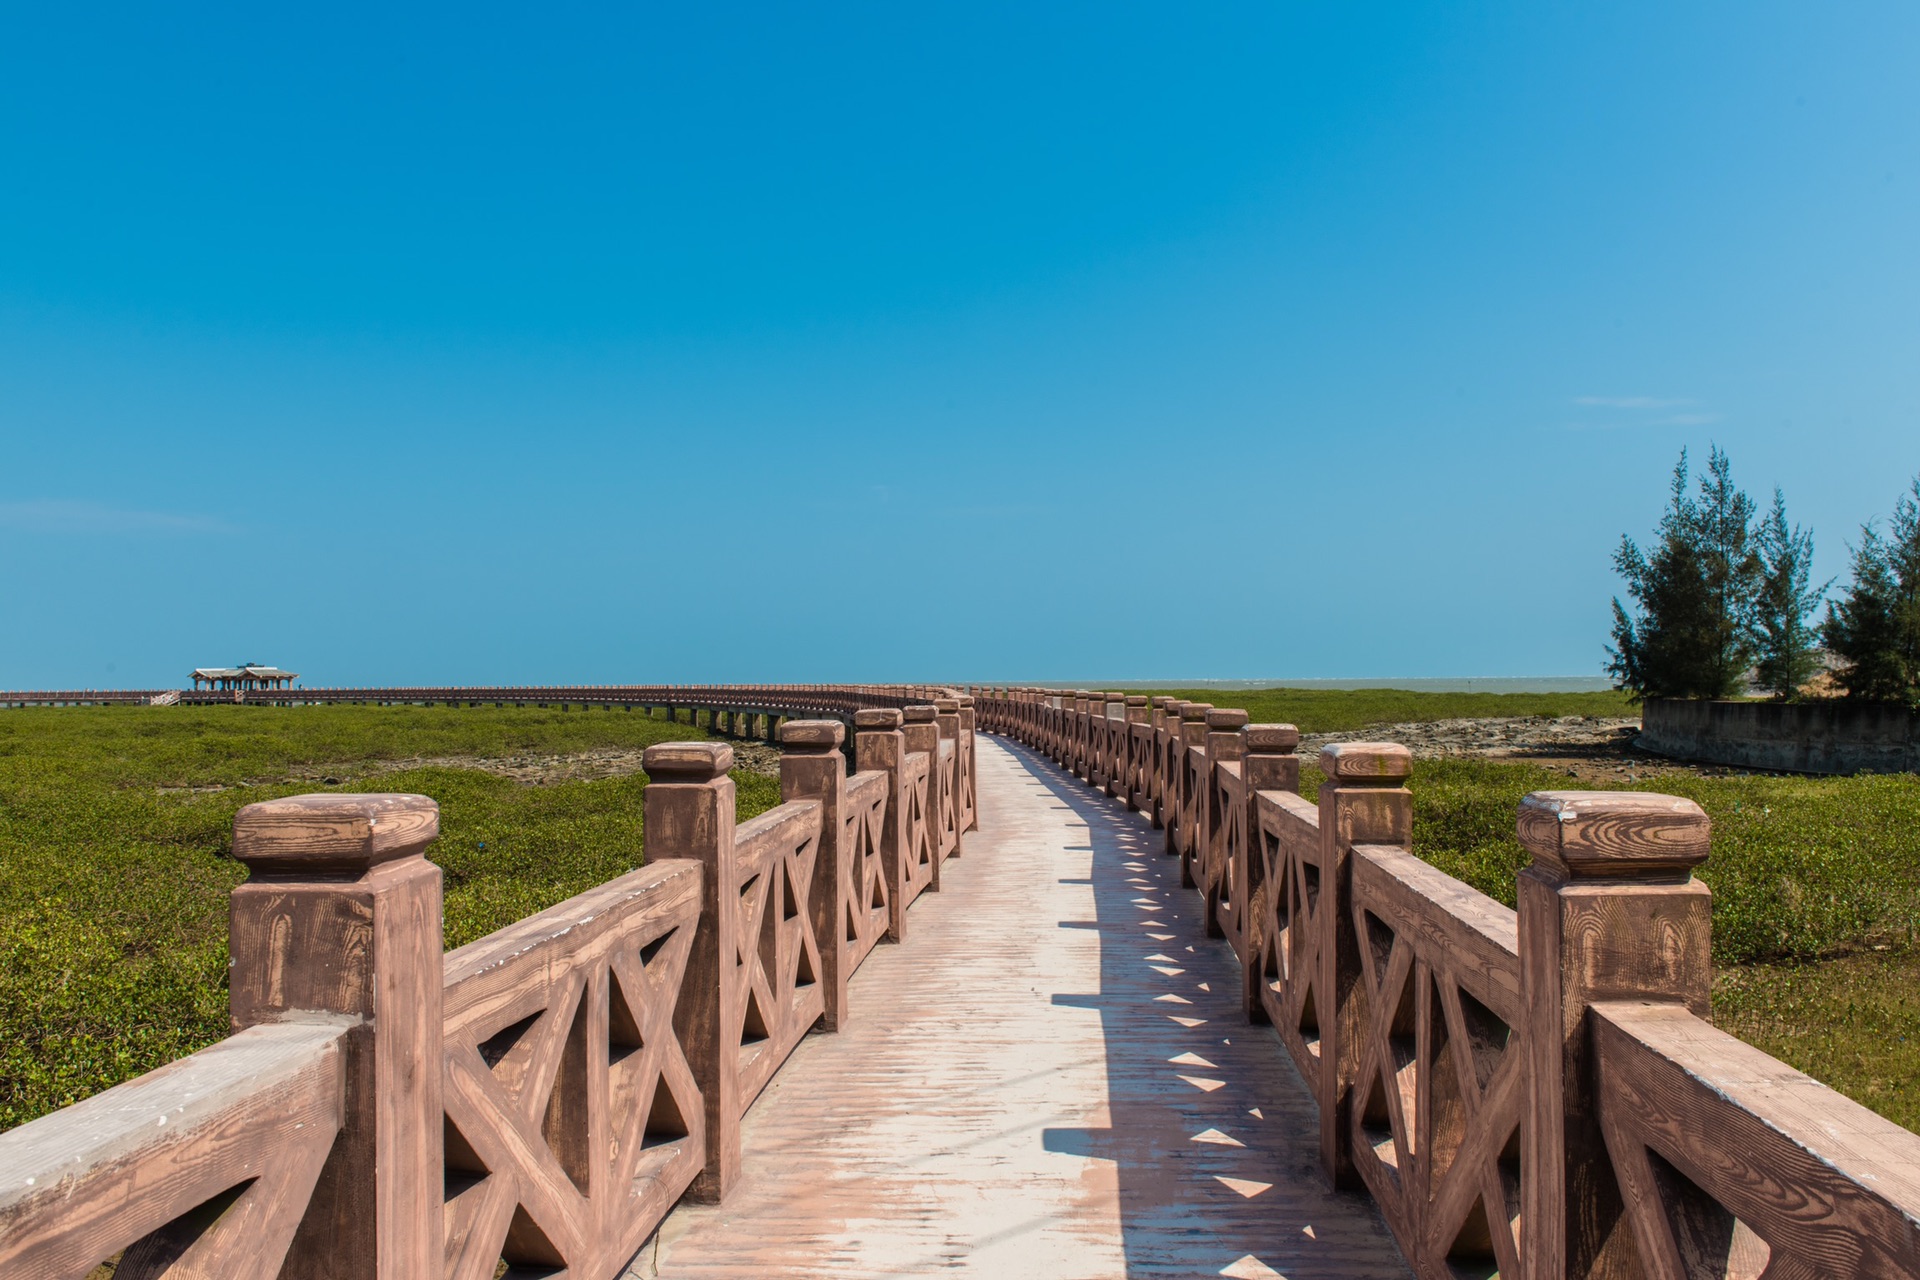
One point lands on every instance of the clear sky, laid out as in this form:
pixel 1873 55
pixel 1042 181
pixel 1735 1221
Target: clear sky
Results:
pixel 976 341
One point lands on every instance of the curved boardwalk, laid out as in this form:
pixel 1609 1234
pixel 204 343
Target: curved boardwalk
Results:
pixel 1052 1079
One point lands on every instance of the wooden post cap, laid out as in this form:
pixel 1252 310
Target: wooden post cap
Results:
pixel 1611 835
pixel 823 735
pixel 878 718
pixel 920 714
pixel 1195 710
pixel 332 831
pixel 687 761
pixel 1226 718
pixel 1281 738
pixel 1366 761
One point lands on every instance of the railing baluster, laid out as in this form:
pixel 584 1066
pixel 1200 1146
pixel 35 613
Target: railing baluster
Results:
pixel 1270 765
pixel 689 813
pixel 1609 910
pixel 1363 801
pixel 341 914
pixel 812 768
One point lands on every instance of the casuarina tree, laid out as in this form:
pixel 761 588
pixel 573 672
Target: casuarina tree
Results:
pixel 1874 628
pixel 1785 636
pixel 1696 592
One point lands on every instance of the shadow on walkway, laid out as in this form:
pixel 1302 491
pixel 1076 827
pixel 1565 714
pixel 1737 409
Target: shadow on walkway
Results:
pixel 1050 1079
pixel 1213 1135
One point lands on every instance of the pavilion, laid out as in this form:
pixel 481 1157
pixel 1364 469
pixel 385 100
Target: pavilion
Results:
pixel 248 675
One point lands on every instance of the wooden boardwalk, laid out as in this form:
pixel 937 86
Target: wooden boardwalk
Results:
pixel 1052 1079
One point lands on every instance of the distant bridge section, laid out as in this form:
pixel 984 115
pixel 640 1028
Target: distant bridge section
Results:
pixel 736 708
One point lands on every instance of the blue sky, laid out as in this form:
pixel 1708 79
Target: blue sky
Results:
pixel 972 342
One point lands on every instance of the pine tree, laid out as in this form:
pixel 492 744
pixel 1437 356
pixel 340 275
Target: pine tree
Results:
pixel 1875 626
pixel 1696 593
pixel 1785 637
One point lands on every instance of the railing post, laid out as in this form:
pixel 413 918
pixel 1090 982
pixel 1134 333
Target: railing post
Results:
pixel 1193 733
pixel 1164 718
pixel 812 768
pixel 1269 765
pixel 1609 910
pixel 1225 742
pixel 689 813
pixel 1097 773
pixel 1132 762
pixel 879 744
pixel 923 734
pixel 1074 704
pixel 341 914
pixel 1363 801
pixel 947 716
pixel 1167 806
pixel 971 793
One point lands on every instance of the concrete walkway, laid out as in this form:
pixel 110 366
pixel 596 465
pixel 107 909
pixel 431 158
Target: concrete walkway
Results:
pixel 1051 1078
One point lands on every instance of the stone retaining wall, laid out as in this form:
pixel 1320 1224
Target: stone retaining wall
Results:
pixel 1803 737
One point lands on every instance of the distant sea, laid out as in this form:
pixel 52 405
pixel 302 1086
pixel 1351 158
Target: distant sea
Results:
pixel 1419 684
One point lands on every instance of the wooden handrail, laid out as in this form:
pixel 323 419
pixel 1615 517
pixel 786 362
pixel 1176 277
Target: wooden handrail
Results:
pixel 540 1097
pixel 1537 1091
pixel 210 1159
pixel 1730 1159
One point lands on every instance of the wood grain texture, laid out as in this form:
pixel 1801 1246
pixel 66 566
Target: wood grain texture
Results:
pixel 1221 820
pixel 367 945
pixel 1360 804
pixel 313 834
pixel 1584 941
pixel 1366 761
pixel 689 814
pixel 573 1118
pixel 1290 928
pixel 250 1119
pixel 812 768
pixel 868 899
pixel 905 850
pixel 923 739
pixel 1772 1165
pixel 1434 1130
pixel 778 962
pixel 1596 835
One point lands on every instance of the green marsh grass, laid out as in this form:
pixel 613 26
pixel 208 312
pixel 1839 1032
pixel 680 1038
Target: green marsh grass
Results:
pixel 114 876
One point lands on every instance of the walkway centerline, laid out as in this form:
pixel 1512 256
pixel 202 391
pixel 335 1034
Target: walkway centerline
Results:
pixel 1052 1079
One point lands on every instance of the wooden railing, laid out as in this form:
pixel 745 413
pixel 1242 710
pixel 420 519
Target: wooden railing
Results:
pixel 535 1101
pixel 1533 1093
pixel 733 701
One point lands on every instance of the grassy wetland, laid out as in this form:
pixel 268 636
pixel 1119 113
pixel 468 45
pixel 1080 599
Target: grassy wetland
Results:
pixel 116 831
pixel 116 827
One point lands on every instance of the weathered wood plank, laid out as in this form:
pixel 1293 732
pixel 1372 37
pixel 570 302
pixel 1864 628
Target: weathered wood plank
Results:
pixel 1821 1180
pixel 258 1110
